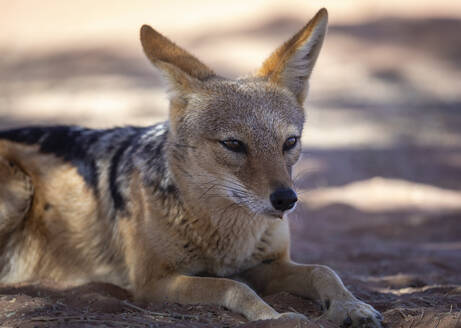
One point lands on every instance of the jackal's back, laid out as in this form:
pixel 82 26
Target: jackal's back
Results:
pixel 81 180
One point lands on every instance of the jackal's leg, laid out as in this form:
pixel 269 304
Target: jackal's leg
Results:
pixel 16 192
pixel 318 283
pixel 231 294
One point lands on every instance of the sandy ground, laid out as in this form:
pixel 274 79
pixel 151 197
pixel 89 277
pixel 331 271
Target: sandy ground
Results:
pixel 380 176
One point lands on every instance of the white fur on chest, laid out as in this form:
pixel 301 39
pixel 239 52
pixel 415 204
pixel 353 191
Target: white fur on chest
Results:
pixel 248 245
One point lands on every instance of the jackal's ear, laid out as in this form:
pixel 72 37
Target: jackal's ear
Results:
pixel 183 70
pixel 291 64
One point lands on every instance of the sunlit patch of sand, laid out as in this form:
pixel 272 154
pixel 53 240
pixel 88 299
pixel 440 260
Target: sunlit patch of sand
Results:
pixel 412 290
pixel 99 108
pixel 381 194
pixel 335 127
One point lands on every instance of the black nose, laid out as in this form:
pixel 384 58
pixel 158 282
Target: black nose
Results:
pixel 283 199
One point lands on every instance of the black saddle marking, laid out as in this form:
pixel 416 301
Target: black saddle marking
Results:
pixel 69 143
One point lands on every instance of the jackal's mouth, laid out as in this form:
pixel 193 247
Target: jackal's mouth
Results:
pixel 274 213
pixel 245 199
pixel 257 206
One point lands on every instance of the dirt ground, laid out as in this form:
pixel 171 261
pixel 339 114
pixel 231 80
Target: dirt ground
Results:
pixel 380 175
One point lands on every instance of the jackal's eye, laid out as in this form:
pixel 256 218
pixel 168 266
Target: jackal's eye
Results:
pixel 234 145
pixel 290 143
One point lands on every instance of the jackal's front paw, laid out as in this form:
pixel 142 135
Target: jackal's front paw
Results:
pixel 353 314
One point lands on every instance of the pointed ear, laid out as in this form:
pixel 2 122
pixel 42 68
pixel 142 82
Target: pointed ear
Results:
pixel 291 65
pixel 184 71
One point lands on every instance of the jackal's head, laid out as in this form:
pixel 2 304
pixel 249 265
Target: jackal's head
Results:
pixel 233 143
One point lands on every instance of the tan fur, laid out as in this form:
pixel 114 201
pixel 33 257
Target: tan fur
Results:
pixel 161 50
pixel 199 246
pixel 55 242
pixel 17 195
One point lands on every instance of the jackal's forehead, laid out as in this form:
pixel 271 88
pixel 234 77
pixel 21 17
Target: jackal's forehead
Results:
pixel 247 108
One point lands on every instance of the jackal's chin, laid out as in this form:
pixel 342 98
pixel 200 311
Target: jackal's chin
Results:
pixel 273 213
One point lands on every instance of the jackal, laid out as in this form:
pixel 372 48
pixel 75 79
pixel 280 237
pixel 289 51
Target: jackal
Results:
pixel 192 210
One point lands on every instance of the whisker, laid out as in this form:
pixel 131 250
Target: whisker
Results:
pixel 228 188
pixel 206 191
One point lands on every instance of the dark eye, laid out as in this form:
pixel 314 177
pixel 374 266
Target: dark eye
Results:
pixel 290 143
pixel 234 145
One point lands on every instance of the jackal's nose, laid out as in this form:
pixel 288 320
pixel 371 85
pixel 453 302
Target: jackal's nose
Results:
pixel 283 199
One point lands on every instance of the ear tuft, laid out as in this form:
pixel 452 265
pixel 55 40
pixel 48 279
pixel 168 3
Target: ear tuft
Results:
pixel 291 65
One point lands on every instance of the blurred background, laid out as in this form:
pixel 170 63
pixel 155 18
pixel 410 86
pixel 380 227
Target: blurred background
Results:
pixel 380 177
